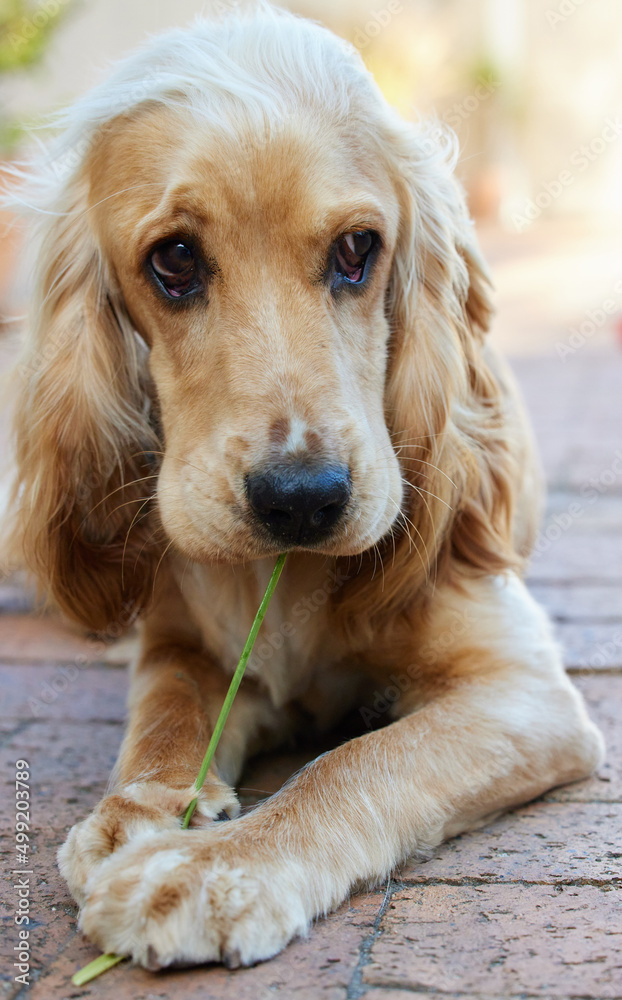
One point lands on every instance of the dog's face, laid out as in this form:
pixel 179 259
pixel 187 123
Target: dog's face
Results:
pixel 300 264
pixel 256 268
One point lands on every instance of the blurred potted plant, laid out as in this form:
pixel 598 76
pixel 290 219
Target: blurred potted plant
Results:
pixel 26 28
pixel 25 31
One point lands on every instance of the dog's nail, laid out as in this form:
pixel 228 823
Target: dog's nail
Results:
pixel 233 959
pixel 153 960
pixel 222 815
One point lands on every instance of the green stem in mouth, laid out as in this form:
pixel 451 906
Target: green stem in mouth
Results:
pixel 233 687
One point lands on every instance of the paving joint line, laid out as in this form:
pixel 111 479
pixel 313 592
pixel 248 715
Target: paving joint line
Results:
pixel 21 726
pixel 355 986
pixel 479 880
pixel 34 664
pixel 611 582
pixel 62 720
pixel 551 800
pixel 586 621
pixel 586 671
pixel 421 990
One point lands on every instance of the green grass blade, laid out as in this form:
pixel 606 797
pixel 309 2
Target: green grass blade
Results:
pixel 233 687
pixel 95 968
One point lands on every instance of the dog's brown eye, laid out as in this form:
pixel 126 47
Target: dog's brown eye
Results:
pixel 352 252
pixel 175 266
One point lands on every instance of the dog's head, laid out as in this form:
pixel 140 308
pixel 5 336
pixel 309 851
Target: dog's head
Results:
pixel 258 322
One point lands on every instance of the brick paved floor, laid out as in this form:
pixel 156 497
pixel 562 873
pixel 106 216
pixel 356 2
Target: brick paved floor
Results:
pixel 529 906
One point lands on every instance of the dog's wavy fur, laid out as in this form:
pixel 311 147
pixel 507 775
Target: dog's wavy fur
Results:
pixel 91 429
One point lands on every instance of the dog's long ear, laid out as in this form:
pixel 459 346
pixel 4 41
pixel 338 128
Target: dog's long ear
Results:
pixel 445 405
pixel 445 408
pixel 83 439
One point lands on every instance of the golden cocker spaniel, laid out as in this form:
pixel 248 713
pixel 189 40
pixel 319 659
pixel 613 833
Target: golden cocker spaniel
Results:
pixel 259 326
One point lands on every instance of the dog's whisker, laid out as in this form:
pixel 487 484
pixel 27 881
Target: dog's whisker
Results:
pixel 152 539
pixel 416 437
pixel 407 521
pixel 178 458
pixel 377 549
pixel 127 503
pixel 421 461
pixel 420 489
pixel 434 532
pixel 183 575
pixel 413 458
pixel 392 532
pixel 159 564
pixel 123 486
pixel 127 535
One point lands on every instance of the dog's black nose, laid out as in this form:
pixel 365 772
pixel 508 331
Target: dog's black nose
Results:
pixel 299 504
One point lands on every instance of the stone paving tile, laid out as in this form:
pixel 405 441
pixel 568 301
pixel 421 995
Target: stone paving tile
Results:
pixel 577 604
pixel 62 692
pixel 15 600
pixel 52 910
pixel 594 465
pixel 597 645
pixel 70 766
pixel 542 842
pixel 378 993
pixel 603 696
pixel 574 449
pixel 495 939
pixel 597 513
pixel 580 557
pixel 37 638
pixel 8 727
pixel 319 967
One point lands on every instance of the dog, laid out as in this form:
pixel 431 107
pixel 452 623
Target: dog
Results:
pixel 259 326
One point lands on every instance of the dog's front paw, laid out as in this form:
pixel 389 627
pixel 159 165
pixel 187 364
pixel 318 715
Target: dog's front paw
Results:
pixel 137 809
pixel 190 897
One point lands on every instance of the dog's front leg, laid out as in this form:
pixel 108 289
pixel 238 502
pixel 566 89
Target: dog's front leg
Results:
pixel 176 693
pixel 504 725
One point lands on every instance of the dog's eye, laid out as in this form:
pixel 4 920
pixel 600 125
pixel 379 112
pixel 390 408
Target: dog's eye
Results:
pixel 352 252
pixel 175 266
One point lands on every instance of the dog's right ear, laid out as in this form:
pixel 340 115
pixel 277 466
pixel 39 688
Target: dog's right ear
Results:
pixel 84 439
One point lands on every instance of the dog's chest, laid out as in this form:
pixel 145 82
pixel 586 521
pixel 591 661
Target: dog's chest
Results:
pixel 294 647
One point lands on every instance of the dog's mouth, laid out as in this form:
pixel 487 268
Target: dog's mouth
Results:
pixel 221 511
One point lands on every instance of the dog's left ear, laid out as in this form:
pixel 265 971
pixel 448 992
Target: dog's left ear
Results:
pixel 443 401
pixel 477 304
pixel 440 284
